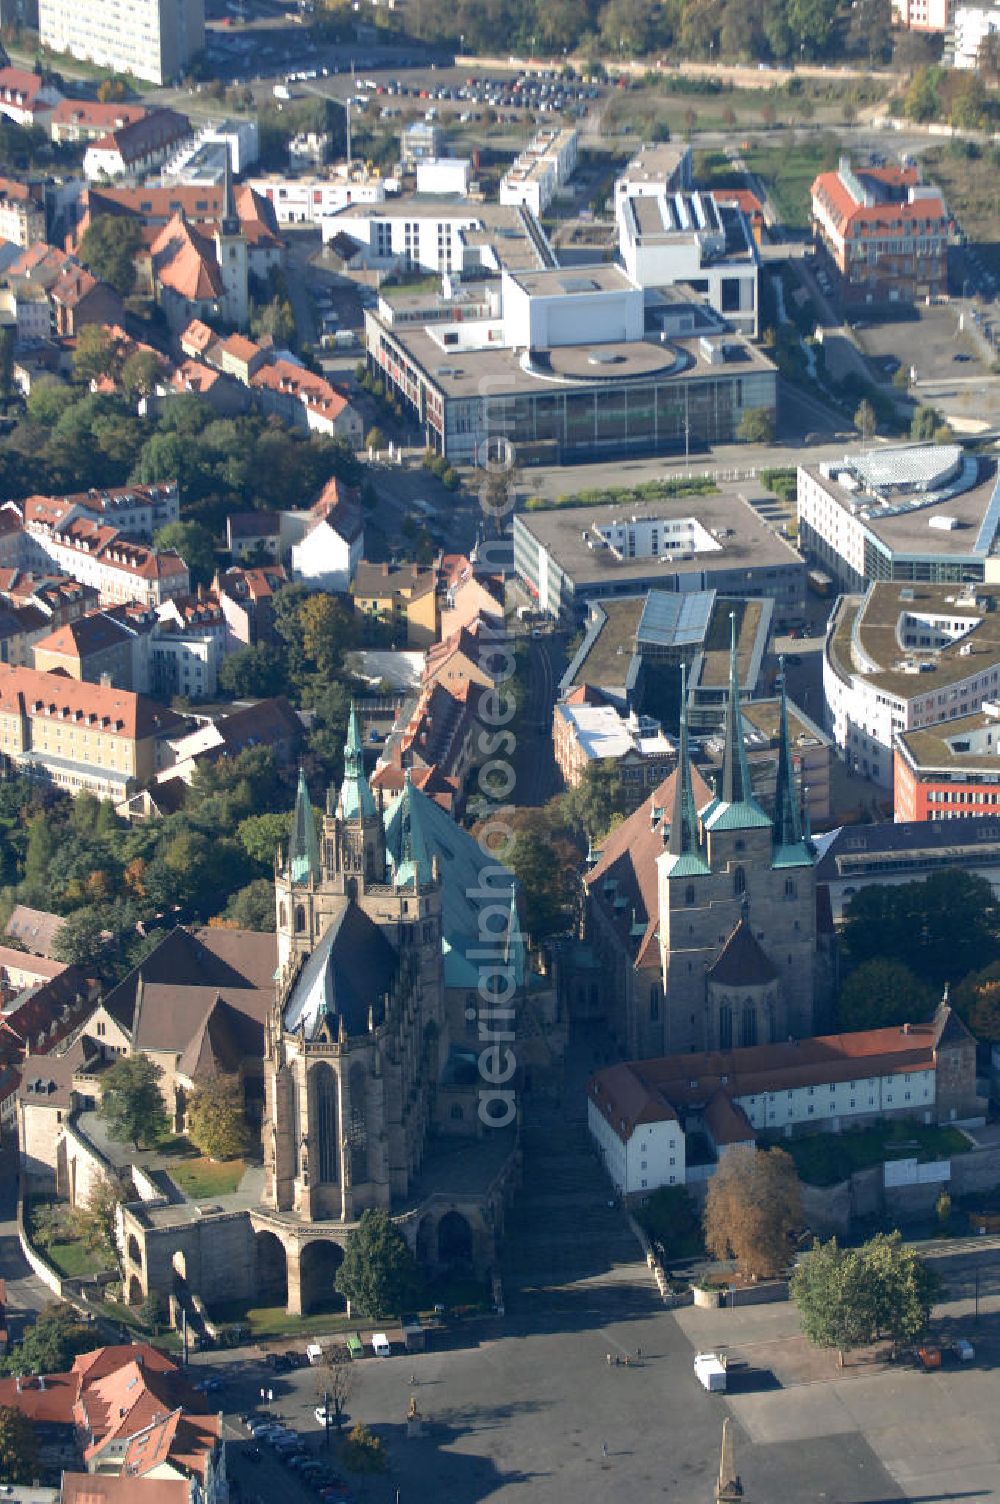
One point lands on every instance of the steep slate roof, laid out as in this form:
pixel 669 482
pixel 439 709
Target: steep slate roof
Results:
pixel 348 973
pixel 741 961
pixel 416 830
pixel 211 960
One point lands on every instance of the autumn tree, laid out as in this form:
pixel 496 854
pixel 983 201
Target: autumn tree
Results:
pixel 18 1447
pixel 335 1384
pixel 216 1123
pixel 864 420
pixel 753 1206
pixel 976 1000
pixel 96 1221
pixel 131 1101
pixel 95 355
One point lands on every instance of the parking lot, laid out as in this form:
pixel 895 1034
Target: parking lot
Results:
pixel 523 1409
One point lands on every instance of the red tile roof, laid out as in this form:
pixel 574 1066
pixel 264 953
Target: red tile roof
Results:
pixel 185 261
pixel 117 712
pixel 91 114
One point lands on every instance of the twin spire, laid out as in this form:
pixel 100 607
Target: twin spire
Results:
pixel 736 807
pixel 356 801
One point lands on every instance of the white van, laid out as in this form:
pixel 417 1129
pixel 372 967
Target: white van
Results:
pixel 314 1353
pixel 380 1345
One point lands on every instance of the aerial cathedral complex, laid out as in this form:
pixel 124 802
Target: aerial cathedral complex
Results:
pixel 701 908
pixel 369 1016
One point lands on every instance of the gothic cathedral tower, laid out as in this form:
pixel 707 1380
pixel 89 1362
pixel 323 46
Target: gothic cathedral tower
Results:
pixel 737 903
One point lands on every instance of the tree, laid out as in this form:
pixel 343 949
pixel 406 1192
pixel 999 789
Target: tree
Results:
pixel 375 439
pixel 96 1222
pixel 194 544
pixel 261 835
pixel 257 670
pixel 6 362
pixel 882 993
pixel 756 426
pixel 216 1122
pixel 329 629
pixel 131 1101
pixel 598 800
pixel 19 1462
pixel 153 1311
pixel 870 29
pixel 81 937
pixel 336 1383
pixel 379 1274
pixel 976 1000
pixel 924 422
pixel 251 908
pixel 864 420
pixel 753 1206
pixel 140 373
pixel 921 101
pixel 109 247
pixel 943 927
pixel 50 1345
pixel 95 353
pixel 849 1298
pixel 542 872
pixel 829 1290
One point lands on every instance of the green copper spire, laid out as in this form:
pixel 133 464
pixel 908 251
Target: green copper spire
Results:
pixel 356 798
pixel 790 847
pixel 736 785
pixel 303 848
pixel 684 840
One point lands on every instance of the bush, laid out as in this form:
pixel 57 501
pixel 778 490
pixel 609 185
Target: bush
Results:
pixel 363 1451
pixel 450 478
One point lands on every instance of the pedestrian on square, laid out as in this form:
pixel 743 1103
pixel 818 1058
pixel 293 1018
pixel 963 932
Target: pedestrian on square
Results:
pixel 604 1448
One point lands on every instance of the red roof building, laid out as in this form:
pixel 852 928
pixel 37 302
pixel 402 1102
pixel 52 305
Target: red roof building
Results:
pixel 885 230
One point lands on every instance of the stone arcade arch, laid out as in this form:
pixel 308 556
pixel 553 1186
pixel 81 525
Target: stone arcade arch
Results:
pixel 319 1261
pixel 426 1243
pixel 271 1268
pixel 133 1250
pixel 455 1243
pixel 135 1295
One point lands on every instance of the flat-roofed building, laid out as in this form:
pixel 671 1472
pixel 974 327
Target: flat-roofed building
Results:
pixel 570 556
pixel 951 771
pixel 909 513
pixel 152 39
pixel 906 658
pixel 584 733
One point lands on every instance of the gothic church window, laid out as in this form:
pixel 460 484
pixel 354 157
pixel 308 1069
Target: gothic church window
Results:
pixel 689 894
pixel 300 918
pixel 324 1084
pixel 739 882
pixel 748 1025
pixel 725 1027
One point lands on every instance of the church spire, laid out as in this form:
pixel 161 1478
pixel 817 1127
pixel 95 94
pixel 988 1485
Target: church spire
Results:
pixel 230 218
pixel 736 785
pixel 790 846
pixel 303 848
pixel 356 797
pixel 684 816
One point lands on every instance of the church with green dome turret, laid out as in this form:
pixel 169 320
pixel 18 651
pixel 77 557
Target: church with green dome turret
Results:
pixel 382 915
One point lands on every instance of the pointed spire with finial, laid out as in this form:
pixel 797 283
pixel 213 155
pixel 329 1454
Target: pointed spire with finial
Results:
pixel 230 218
pixel 303 847
pixel 684 836
pixel 790 844
pixel 356 797
pixel 736 785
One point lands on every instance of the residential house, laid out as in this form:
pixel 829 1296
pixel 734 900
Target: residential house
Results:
pixel 246 597
pixel 106 647
pixel 36 929
pixel 466 594
pixel 306 401
pixel 76 120
pixel 468 656
pixel 402 597
pixel 136 148
pixel 329 551
pixel 885 230
pixel 435 743
pixel 98 554
pixel 187 646
pixel 266 723
pixel 26 98
pixel 78 298
pixel 586 730
pixel 253 535
pixel 22 211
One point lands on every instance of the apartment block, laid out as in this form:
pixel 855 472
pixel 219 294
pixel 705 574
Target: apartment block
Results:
pixel 152 39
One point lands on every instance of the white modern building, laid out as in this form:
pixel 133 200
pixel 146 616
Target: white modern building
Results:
pixel 549 308
pixel 659 167
pixel 541 170
pixel 444 175
pixel 440 235
pixel 310 200
pixel 902 658
pixel 669 237
pixel 919 512
pixel 153 39
pixel 973 24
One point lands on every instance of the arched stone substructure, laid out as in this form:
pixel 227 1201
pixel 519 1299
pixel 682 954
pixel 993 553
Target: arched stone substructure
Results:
pixel 271 1269
pixel 133 1291
pixel 133 1251
pixel 426 1243
pixel 319 1261
pixel 179 1265
pixel 456 1248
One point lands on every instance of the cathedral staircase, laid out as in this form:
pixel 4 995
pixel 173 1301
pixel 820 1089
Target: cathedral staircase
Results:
pixel 561 1229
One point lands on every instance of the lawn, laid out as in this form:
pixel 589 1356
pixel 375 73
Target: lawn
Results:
pixel 201 1179
pixel 274 1321
pixel 74 1260
pixel 787 173
pixel 828 1158
pixel 967 177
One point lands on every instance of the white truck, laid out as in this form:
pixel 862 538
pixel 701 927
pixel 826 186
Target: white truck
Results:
pixel 710 1371
pixel 380 1345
